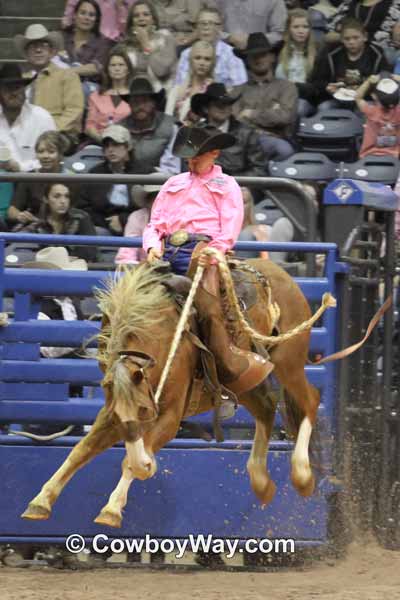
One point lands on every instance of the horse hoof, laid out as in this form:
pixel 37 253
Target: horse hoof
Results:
pixel 305 489
pixel 110 519
pixel 35 512
pixel 268 493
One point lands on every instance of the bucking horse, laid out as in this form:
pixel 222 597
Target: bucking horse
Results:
pixel 141 310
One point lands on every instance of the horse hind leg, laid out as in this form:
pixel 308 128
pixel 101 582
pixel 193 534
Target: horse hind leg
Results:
pixel 102 435
pixel 261 404
pixel 302 401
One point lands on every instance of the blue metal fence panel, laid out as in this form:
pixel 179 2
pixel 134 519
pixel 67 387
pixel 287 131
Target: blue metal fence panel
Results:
pixel 224 505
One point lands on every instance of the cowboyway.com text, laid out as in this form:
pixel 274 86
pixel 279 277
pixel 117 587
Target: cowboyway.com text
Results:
pixel 101 543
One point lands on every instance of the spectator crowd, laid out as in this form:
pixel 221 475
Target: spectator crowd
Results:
pixel 123 75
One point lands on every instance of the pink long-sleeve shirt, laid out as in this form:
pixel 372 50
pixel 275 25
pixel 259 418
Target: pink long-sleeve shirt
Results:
pixel 113 18
pixel 210 204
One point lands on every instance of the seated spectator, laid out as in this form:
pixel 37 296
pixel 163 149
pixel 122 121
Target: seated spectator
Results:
pixel 392 49
pixel 201 70
pixel 243 18
pixel 280 231
pixel 113 16
pixel 347 65
pixel 267 103
pixel 58 217
pixel 107 106
pixel 229 69
pixel 178 17
pixel 135 226
pixel 27 201
pixel 246 156
pixel 297 57
pixel 109 206
pixel 377 16
pixel 151 50
pixel 152 131
pixel 85 48
pixel 382 128
pixel 21 123
pixel 59 91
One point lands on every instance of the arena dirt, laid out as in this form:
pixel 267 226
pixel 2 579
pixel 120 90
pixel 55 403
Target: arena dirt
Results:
pixel 368 572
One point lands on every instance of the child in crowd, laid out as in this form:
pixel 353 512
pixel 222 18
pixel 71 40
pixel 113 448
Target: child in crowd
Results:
pixel 347 65
pixel 382 128
pixel 297 57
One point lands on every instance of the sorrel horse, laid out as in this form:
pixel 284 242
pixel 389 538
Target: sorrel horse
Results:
pixel 139 320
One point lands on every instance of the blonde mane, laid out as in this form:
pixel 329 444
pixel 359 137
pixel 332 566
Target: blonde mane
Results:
pixel 132 303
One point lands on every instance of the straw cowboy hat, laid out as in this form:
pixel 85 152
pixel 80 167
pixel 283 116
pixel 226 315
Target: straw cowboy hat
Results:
pixel 257 43
pixel 11 74
pixel 193 141
pixel 215 92
pixel 56 257
pixel 38 33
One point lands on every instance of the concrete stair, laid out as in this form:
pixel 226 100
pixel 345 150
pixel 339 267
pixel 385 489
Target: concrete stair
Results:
pixel 17 15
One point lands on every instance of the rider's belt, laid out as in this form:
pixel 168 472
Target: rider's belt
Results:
pixel 182 237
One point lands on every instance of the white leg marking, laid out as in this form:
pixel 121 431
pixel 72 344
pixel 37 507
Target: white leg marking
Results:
pixel 300 458
pixel 140 463
pixel 119 497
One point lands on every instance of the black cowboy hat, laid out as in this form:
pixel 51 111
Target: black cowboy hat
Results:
pixel 140 86
pixel 11 74
pixel 257 43
pixel 194 141
pixel 215 92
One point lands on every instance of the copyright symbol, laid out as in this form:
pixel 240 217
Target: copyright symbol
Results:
pixel 75 543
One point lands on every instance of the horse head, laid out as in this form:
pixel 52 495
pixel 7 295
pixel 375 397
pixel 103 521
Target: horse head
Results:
pixel 129 393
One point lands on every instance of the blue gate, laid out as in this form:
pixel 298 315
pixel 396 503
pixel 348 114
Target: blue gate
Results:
pixel 200 487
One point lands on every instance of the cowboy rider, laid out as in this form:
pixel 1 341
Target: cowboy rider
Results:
pixel 204 207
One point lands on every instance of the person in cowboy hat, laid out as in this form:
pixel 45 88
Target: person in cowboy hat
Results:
pixel 57 90
pixel 204 206
pixel 246 156
pixel 266 103
pixel 152 131
pixel 21 123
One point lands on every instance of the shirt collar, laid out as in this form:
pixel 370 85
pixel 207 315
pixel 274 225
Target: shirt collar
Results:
pixel 214 172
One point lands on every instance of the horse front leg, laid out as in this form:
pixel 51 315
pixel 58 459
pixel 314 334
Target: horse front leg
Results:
pixel 111 514
pixel 104 434
pixel 262 406
pixel 139 463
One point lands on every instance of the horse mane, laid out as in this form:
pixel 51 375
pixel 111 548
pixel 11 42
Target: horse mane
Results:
pixel 132 303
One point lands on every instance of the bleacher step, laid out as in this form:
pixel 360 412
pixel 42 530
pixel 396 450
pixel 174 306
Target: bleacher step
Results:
pixel 33 8
pixel 10 25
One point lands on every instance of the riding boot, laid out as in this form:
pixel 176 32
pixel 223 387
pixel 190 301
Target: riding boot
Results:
pixel 238 370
